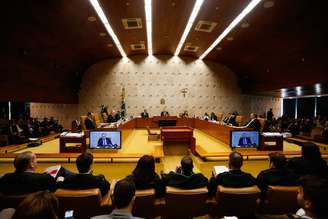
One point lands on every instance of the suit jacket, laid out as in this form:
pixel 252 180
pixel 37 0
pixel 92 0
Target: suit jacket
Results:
pixel 26 182
pixel 89 124
pixel 117 214
pixel 86 181
pixel 165 113
pixel 245 141
pixel 233 178
pixel 153 182
pixel 302 166
pixel 275 176
pixel 108 142
pixel 111 118
pixel 144 115
pixel 182 181
pixel 254 124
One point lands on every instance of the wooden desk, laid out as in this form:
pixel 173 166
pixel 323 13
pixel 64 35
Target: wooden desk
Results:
pixel 165 120
pixel 70 139
pixel 178 134
pixel 277 140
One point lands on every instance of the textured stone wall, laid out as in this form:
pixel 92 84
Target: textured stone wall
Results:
pixel 65 113
pixel 209 87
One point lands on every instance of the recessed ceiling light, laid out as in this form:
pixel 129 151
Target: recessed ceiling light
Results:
pixel 102 34
pixel 216 8
pixel 127 3
pixel 243 14
pixel 219 48
pixel 268 4
pixel 230 38
pixel 198 4
pixel 318 88
pixel 299 90
pixel 245 25
pixel 109 45
pixel 303 60
pixel 92 18
pixel 173 4
pixel 96 6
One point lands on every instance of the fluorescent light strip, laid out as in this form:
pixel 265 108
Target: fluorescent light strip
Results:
pixel 191 20
pixel 96 6
pixel 234 23
pixel 149 26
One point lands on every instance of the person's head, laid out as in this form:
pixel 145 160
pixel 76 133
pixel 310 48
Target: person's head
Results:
pixel 313 196
pixel 235 160
pixel 271 109
pixel 89 114
pixel 145 166
pixel 277 160
pixel 84 162
pixel 25 161
pixel 103 135
pixel 311 151
pixel 187 165
pixel 38 205
pixel 45 119
pixel 145 111
pixel 124 192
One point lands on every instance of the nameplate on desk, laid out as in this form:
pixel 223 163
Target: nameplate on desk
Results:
pixel 71 135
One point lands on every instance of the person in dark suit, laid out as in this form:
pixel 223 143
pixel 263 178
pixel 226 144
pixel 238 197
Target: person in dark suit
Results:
pixel 311 162
pixel 234 178
pixel 89 123
pixel 145 177
pixel 213 116
pixel 145 114
pixel 253 123
pixel 25 180
pixel 245 141
pixel 277 174
pixel 105 142
pixel 184 177
pixel 84 179
pixel 269 115
pixel 165 113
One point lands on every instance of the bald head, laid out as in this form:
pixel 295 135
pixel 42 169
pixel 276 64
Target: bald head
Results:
pixel 187 165
pixel 235 160
pixel 25 161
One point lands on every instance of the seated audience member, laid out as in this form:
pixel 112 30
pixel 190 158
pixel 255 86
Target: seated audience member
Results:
pixel 269 115
pixel 234 178
pixel 84 179
pixel 145 114
pixel 206 116
pixel 213 116
pixel 145 177
pixel 89 122
pixel 313 198
pixel 124 194
pixel 253 123
pixel 54 125
pixel 277 174
pixel 15 133
pixel 184 177
pixel 39 205
pixel 311 162
pixel 25 179
pixel 45 126
pixel 165 113
pixel 112 117
pixel 325 132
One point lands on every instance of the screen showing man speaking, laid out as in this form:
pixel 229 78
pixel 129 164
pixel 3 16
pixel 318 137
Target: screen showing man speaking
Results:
pixel 105 139
pixel 244 139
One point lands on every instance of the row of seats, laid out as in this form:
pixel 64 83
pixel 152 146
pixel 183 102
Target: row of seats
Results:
pixel 178 203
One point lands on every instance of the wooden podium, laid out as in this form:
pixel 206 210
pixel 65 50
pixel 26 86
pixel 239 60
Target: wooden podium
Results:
pixel 72 138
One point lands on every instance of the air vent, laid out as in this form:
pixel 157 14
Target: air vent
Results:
pixel 132 23
pixel 138 46
pixel 205 26
pixel 190 48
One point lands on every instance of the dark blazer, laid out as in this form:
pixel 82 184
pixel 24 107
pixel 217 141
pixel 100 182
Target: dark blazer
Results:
pixel 255 125
pixel 182 181
pixel 245 141
pixel 302 166
pixel 165 113
pixel 153 182
pixel 111 118
pixel 26 182
pixel 232 178
pixel 108 142
pixel 144 115
pixel 275 176
pixel 89 124
pixel 86 181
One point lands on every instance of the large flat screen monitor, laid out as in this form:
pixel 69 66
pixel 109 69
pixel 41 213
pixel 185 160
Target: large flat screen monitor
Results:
pixel 244 139
pixel 105 140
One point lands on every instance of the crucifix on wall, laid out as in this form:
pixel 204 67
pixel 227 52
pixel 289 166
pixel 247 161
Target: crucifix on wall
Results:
pixel 184 91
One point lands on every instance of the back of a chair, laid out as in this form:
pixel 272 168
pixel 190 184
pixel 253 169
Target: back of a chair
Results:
pixel 262 122
pixel 85 203
pixel 237 201
pixel 220 116
pixel 280 200
pixel 104 117
pixel 96 118
pixel 82 119
pixel 145 205
pixel 239 120
pixel 182 203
